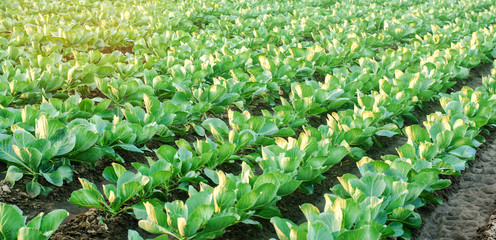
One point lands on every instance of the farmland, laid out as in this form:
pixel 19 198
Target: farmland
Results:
pixel 144 119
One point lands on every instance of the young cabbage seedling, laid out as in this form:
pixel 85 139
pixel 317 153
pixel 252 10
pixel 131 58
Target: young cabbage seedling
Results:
pixel 128 186
pixel 13 224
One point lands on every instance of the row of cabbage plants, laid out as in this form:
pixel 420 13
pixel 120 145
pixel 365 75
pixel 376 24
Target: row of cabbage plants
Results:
pixel 382 201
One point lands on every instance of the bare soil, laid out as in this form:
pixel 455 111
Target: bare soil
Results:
pixel 123 49
pixel 488 231
pixel 95 224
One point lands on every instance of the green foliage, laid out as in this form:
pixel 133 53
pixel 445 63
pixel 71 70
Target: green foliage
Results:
pixel 32 154
pixel 254 83
pixel 115 196
pixel 13 223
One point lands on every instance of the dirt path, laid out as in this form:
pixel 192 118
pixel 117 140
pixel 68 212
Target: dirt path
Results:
pixel 470 202
pixel 488 231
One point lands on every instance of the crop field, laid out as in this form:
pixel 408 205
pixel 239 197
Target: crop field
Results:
pixel 247 119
